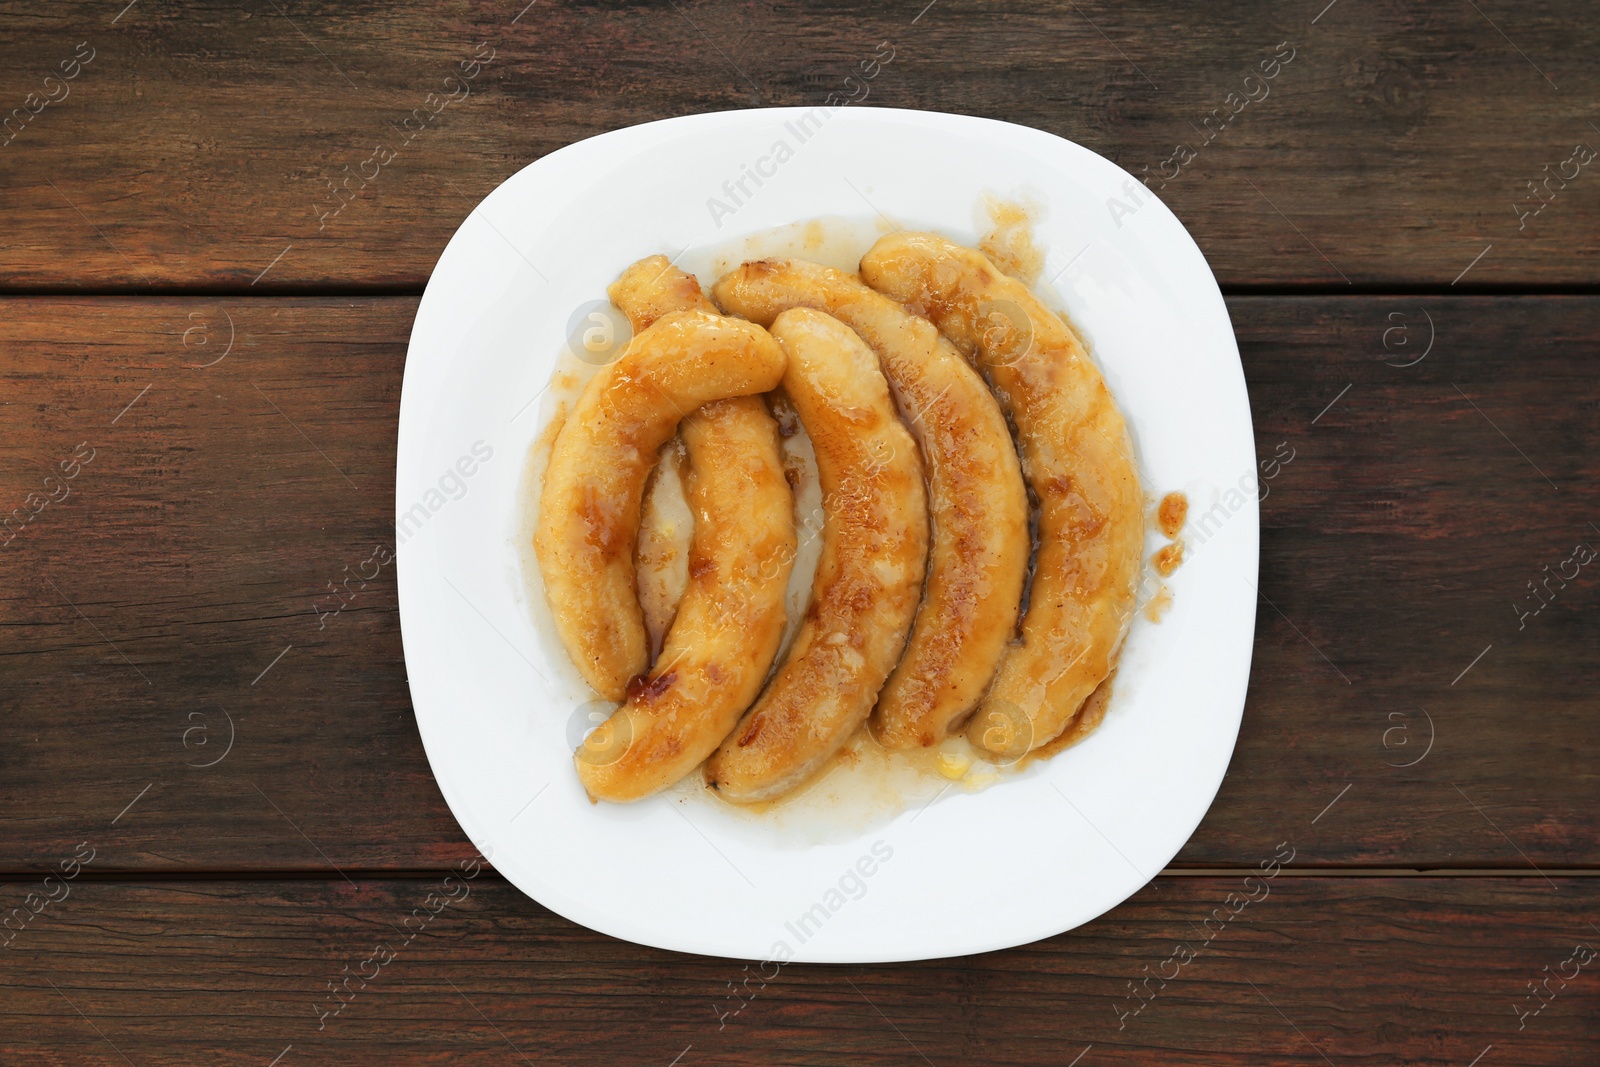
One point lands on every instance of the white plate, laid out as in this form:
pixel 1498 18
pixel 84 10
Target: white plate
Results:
pixel 1052 848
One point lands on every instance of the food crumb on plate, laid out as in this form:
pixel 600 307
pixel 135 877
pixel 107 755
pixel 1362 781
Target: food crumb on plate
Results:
pixel 1172 514
pixel 1158 605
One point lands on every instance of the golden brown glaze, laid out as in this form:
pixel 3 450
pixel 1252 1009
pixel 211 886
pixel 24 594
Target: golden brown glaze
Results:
pixel 978 505
pixel 589 507
pixel 1075 455
pixel 869 577
pixel 730 619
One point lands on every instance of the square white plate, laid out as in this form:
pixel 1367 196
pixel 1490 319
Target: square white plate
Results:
pixel 1047 850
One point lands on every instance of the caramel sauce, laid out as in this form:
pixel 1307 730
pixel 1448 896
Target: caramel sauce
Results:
pixel 1009 241
pixel 1171 515
pixel 1159 604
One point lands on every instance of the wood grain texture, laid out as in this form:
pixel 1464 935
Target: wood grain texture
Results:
pixel 198 543
pixel 1371 971
pixel 194 474
pixel 199 144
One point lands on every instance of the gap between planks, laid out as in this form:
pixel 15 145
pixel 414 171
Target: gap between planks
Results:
pixel 429 873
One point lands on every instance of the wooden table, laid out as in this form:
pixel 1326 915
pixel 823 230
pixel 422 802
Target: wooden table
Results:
pixel 216 805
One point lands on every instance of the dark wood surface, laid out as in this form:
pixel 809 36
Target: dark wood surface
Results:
pixel 197 144
pixel 1339 970
pixel 1402 717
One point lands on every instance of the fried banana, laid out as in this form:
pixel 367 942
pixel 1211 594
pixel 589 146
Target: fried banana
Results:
pixel 978 505
pixel 1077 458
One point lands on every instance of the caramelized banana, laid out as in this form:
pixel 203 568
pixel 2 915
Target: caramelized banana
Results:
pixel 589 507
pixel 653 287
pixel 869 577
pixel 731 616
pixel 1076 457
pixel 978 505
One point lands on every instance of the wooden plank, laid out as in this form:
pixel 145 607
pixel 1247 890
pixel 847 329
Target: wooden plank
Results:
pixel 199 144
pixel 1402 970
pixel 1396 547
pixel 175 588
